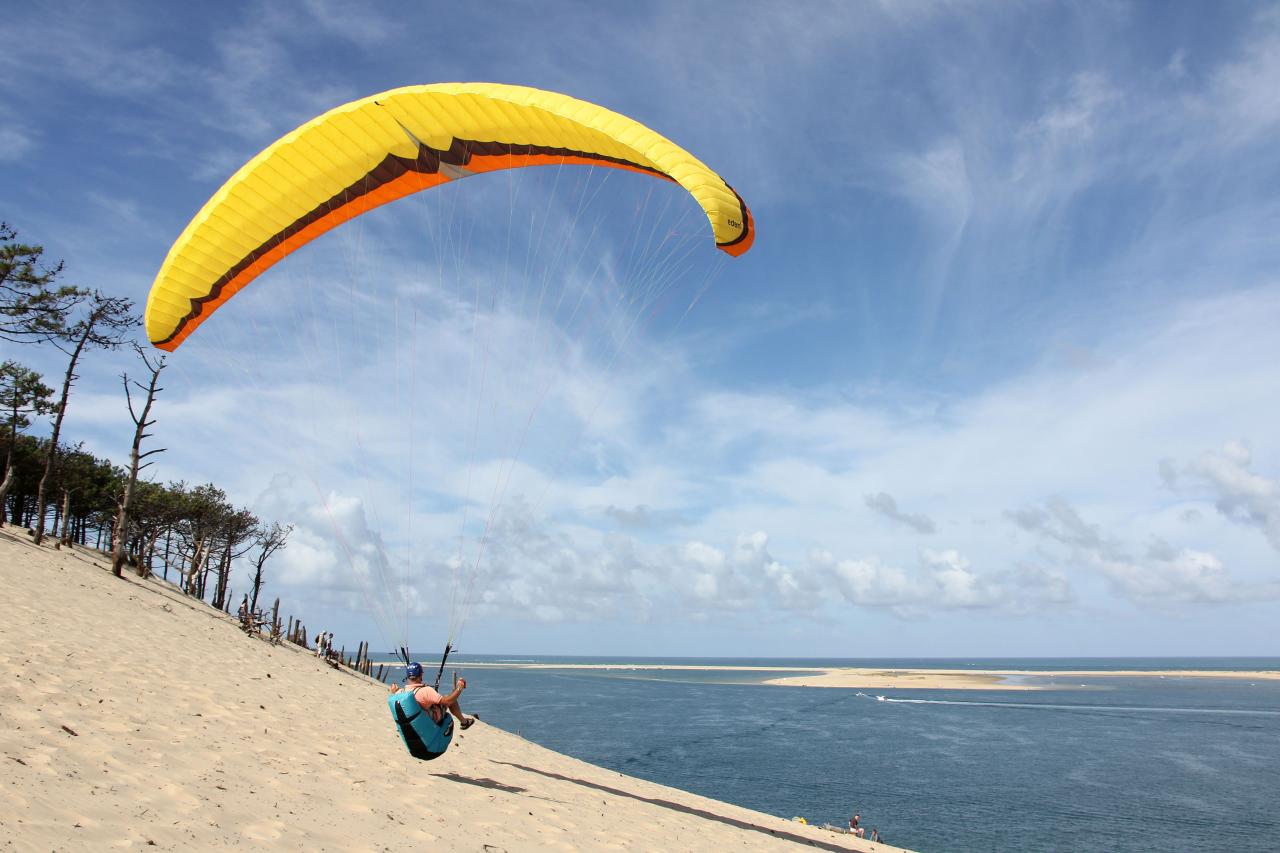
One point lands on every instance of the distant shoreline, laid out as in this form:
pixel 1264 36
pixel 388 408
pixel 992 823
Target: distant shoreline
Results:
pixel 921 679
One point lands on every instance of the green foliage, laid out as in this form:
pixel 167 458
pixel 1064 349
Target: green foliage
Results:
pixel 92 482
pixel 32 307
pixel 105 323
pixel 22 395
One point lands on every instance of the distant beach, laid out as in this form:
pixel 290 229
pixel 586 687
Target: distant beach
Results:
pixel 920 679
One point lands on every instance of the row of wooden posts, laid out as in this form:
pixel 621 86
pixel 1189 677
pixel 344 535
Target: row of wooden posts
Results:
pixel 294 631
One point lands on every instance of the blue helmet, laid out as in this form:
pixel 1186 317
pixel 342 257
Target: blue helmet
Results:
pixel 413 670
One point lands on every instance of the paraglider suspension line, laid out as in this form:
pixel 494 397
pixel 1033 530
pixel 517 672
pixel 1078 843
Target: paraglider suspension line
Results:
pixel 448 647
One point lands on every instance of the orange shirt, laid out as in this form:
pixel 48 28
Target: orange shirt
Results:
pixel 429 699
pixel 427 696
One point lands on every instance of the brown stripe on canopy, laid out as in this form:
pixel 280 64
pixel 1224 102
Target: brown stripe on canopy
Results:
pixel 393 178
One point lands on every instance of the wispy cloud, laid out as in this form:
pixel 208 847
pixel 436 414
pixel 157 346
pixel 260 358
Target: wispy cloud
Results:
pixel 1240 494
pixel 1162 574
pixel 1242 93
pixel 883 503
pixel 15 142
pixel 945 581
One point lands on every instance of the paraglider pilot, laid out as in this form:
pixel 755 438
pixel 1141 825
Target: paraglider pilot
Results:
pixel 431 701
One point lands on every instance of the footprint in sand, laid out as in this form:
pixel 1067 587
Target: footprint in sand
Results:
pixel 264 830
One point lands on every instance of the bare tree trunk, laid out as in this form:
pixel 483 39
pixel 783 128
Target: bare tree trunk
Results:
pixel 8 459
pixel 52 451
pixel 66 519
pixel 149 555
pixel 257 585
pixel 140 423
pixel 57 517
pixel 168 540
pixel 224 573
pixel 4 490
pixel 192 573
pixel 270 540
pixel 204 572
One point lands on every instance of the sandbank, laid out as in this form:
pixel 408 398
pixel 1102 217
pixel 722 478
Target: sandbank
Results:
pixel 134 717
pixel 993 679
pixel 918 679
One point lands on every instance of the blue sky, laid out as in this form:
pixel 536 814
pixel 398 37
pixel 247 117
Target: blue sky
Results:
pixel 998 377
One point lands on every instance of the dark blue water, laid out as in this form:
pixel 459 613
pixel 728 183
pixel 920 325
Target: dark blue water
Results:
pixel 1122 764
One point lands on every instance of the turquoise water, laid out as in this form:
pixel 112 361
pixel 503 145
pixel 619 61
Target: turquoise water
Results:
pixel 1122 764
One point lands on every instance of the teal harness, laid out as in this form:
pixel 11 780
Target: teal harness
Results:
pixel 424 737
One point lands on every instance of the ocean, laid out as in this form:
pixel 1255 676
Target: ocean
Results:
pixel 1117 764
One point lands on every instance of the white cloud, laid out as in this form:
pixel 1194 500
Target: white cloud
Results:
pixel 1072 121
pixel 1238 493
pixel 937 182
pixel 15 142
pixel 1164 574
pixel 946 581
pixel 1184 576
pixel 883 503
pixel 1059 521
pixel 643 517
pixel 1243 91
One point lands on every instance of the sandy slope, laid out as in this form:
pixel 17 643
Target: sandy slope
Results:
pixel 131 717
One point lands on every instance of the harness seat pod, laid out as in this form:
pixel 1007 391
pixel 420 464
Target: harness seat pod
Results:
pixel 424 737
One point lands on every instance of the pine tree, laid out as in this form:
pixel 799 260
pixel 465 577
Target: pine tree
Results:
pixel 104 324
pixel 22 396
pixel 32 308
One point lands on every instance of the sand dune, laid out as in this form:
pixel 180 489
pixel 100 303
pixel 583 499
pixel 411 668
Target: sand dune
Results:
pixel 132 717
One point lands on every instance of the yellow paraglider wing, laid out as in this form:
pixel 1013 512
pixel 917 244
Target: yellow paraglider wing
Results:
pixel 378 149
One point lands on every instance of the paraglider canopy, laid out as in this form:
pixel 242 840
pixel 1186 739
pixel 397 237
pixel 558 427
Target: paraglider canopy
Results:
pixel 375 150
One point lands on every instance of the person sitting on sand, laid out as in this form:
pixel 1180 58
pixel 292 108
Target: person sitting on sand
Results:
pixel 431 700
